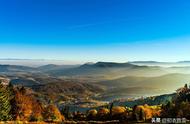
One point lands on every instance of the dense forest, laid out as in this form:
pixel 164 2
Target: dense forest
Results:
pixel 18 103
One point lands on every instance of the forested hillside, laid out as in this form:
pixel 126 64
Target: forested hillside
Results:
pixel 19 103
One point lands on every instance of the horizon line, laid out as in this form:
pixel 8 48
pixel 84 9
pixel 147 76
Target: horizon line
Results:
pixel 95 61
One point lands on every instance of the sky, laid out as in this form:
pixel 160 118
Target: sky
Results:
pixel 95 30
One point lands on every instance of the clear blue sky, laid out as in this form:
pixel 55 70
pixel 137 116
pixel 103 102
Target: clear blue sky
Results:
pixel 95 30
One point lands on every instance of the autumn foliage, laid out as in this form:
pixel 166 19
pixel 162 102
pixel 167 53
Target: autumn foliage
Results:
pixel 27 108
pixel 118 110
pixel 21 104
pixel 91 114
pixel 52 114
pixel 146 112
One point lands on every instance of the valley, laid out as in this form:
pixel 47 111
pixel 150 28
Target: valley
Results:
pixel 95 84
pixel 92 86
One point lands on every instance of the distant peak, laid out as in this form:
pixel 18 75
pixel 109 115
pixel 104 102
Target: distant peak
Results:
pixel 184 62
pixel 108 64
pixel 143 62
pixel 89 63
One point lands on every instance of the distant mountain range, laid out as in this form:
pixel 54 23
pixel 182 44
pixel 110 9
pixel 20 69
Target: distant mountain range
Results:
pixel 130 79
pixel 35 62
pixel 41 62
pixel 16 68
pixel 158 62
pixel 131 85
pixel 163 64
pixel 108 64
pixel 99 70
pixel 106 71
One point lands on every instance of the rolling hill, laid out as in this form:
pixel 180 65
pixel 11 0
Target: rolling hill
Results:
pixel 117 79
pixel 16 68
pixel 144 86
pixel 108 70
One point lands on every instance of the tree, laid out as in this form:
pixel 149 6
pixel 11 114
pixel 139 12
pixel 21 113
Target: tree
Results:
pixel 111 106
pixel 52 114
pixel 23 105
pixel 103 114
pixel 65 112
pixel 119 113
pixel 118 110
pixel 37 113
pixel 142 115
pixel 91 114
pixel 5 106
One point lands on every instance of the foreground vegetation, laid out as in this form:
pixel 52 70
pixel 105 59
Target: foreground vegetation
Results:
pixel 19 104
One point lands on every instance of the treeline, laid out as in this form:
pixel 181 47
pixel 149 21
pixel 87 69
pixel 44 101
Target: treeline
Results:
pixel 120 113
pixel 20 104
pixel 180 106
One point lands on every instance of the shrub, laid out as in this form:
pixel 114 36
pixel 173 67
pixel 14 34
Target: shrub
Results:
pixel 103 114
pixel 52 114
pixel 118 110
pixel 119 113
pixel 91 114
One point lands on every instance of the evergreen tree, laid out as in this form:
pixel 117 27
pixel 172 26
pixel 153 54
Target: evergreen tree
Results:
pixel 111 106
pixel 5 106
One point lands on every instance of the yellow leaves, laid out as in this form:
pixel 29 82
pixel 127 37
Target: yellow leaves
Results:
pixel 118 110
pixel 149 111
pixel 53 114
pixel 92 112
pixel 27 108
pixel 24 106
pixel 103 111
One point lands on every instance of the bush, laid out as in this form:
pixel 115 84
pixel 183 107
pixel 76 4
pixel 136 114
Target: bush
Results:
pixel 119 113
pixel 103 114
pixel 118 110
pixel 91 114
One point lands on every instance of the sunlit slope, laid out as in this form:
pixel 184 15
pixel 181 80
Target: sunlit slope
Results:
pixel 142 86
pixel 108 70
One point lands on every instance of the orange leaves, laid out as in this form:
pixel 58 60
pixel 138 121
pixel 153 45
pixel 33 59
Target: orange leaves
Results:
pixel 148 111
pixel 92 112
pixel 23 106
pixel 27 108
pixel 118 110
pixel 37 114
pixel 52 114
pixel 103 111
pixel 104 114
